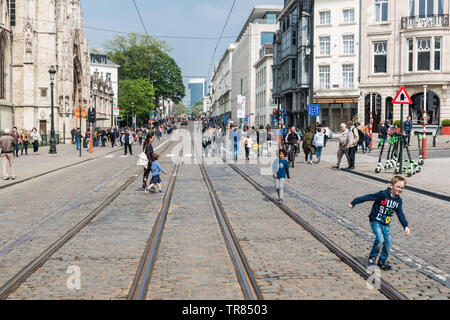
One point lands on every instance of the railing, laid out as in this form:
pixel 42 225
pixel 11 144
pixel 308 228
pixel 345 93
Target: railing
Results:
pixel 438 20
pixel 265 21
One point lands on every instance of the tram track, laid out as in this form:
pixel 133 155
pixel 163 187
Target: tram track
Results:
pixel 26 272
pixel 385 288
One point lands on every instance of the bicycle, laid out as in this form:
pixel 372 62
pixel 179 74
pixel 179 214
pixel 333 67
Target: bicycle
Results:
pixel 291 154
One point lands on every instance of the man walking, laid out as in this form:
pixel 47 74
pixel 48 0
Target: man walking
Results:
pixel 407 127
pixel 343 146
pixel 7 144
pixel 74 134
pixel 16 137
pixel 127 140
pixel 352 140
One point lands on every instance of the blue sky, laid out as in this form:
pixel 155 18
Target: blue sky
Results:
pixel 203 18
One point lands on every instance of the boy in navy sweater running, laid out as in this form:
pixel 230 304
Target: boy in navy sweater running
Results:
pixel 386 203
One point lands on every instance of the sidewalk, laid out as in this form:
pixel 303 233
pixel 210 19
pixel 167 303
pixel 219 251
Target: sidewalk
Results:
pixel 434 176
pixel 27 167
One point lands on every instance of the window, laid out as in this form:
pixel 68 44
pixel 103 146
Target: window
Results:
pixel 380 57
pixel 324 46
pixel 324 76
pixel 349 44
pixel 325 17
pixel 12 12
pixel 294 69
pixel 294 37
pixel 43 92
pixel 2 69
pixel 266 37
pixel 423 54
pixel 411 8
pixel 347 75
pixel 410 55
pixel 440 7
pixel 437 53
pixel 426 8
pixel 381 10
pixel 349 16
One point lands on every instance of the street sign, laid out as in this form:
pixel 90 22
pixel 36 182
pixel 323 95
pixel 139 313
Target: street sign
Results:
pixel 313 110
pixel 119 118
pixel 241 107
pixel 83 113
pixel 402 97
pixel 246 119
pixel 116 111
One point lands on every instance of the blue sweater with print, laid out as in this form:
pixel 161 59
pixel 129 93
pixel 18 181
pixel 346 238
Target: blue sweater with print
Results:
pixel 281 168
pixel 384 206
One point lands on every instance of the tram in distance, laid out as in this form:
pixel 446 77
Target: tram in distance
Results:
pixel 184 120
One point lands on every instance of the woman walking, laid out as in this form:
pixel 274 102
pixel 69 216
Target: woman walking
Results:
pixel 24 137
pixel 148 150
pixel 308 147
pixel 35 138
pixel 319 143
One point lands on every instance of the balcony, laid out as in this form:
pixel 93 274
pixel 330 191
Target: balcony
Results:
pixel 265 21
pixel 420 22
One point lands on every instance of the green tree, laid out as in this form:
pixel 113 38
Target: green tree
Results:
pixel 179 109
pixel 143 57
pixel 139 91
pixel 197 109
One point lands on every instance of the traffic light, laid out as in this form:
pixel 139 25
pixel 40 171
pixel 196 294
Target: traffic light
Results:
pixel 91 115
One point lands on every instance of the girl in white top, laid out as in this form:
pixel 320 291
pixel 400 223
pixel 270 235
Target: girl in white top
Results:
pixel 318 143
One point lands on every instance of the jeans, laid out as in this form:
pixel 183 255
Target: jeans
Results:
pixel 318 152
pixel 235 151
pixel 382 239
pixel 310 157
pixel 16 150
pixel 24 146
pixel 351 156
pixel 35 146
pixel 247 153
pixel 279 185
pixel 78 143
pixel 128 146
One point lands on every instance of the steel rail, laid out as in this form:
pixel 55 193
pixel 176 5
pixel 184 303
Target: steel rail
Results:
pixel 421 191
pixel 33 266
pixel 247 281
pixel 59 169
pixel 141 282
pixel 385 288
pixel 16 281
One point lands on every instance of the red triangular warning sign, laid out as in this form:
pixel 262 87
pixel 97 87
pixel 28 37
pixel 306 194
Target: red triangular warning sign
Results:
pixel 402 97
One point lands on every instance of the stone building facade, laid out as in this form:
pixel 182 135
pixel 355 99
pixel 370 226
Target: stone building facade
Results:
pixel 405 43
pixel 42 33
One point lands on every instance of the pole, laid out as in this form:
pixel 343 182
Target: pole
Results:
pixel 95 111
pixel 400 158
pixel 311 63
pixel 371 123
pixel 79 144
pixel 112 111
pixel 424 139
pixel 11 80
pixel 90 140
pixel 52 131
pixel 64 132
pixel 132 114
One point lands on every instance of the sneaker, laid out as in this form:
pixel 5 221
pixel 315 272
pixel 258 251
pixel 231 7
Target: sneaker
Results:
pixel 13 178
pixel 384 266
pixel 310 162
pixel 335 166
pixel 372 261
pixel 280 200
pixel 161 192
pixel 5 179
pixel 147 191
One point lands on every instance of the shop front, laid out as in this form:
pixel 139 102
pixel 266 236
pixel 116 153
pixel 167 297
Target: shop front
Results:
pixel 334 111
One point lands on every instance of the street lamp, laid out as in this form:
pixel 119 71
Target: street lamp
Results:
pixel 52 72
pixel 132 115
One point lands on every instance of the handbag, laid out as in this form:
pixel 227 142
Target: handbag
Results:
pixel 143 161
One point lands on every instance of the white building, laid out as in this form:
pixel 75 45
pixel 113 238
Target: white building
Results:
pixel 257 31
pixel 109 72
pixel 405 43
pixel 264 86
pixel 221 86
pixel 336 60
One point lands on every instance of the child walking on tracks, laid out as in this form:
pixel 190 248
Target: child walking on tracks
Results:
pixel 280 169
pixel 156 171
pixel 386 203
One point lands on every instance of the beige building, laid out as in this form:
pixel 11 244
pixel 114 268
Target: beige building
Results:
pixel 43 33
pixel 263 87
pixel 405 43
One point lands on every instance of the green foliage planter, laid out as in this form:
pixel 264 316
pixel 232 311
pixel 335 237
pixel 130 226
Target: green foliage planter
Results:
pixel 446 127
pixel 397 123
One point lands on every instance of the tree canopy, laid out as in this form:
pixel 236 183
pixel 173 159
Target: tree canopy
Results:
pixel 145 58
pixel 140 92
pixel 197 109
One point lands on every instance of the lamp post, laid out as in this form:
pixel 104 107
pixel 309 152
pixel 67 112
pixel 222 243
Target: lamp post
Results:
pixel 52 72
pixel 132 115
